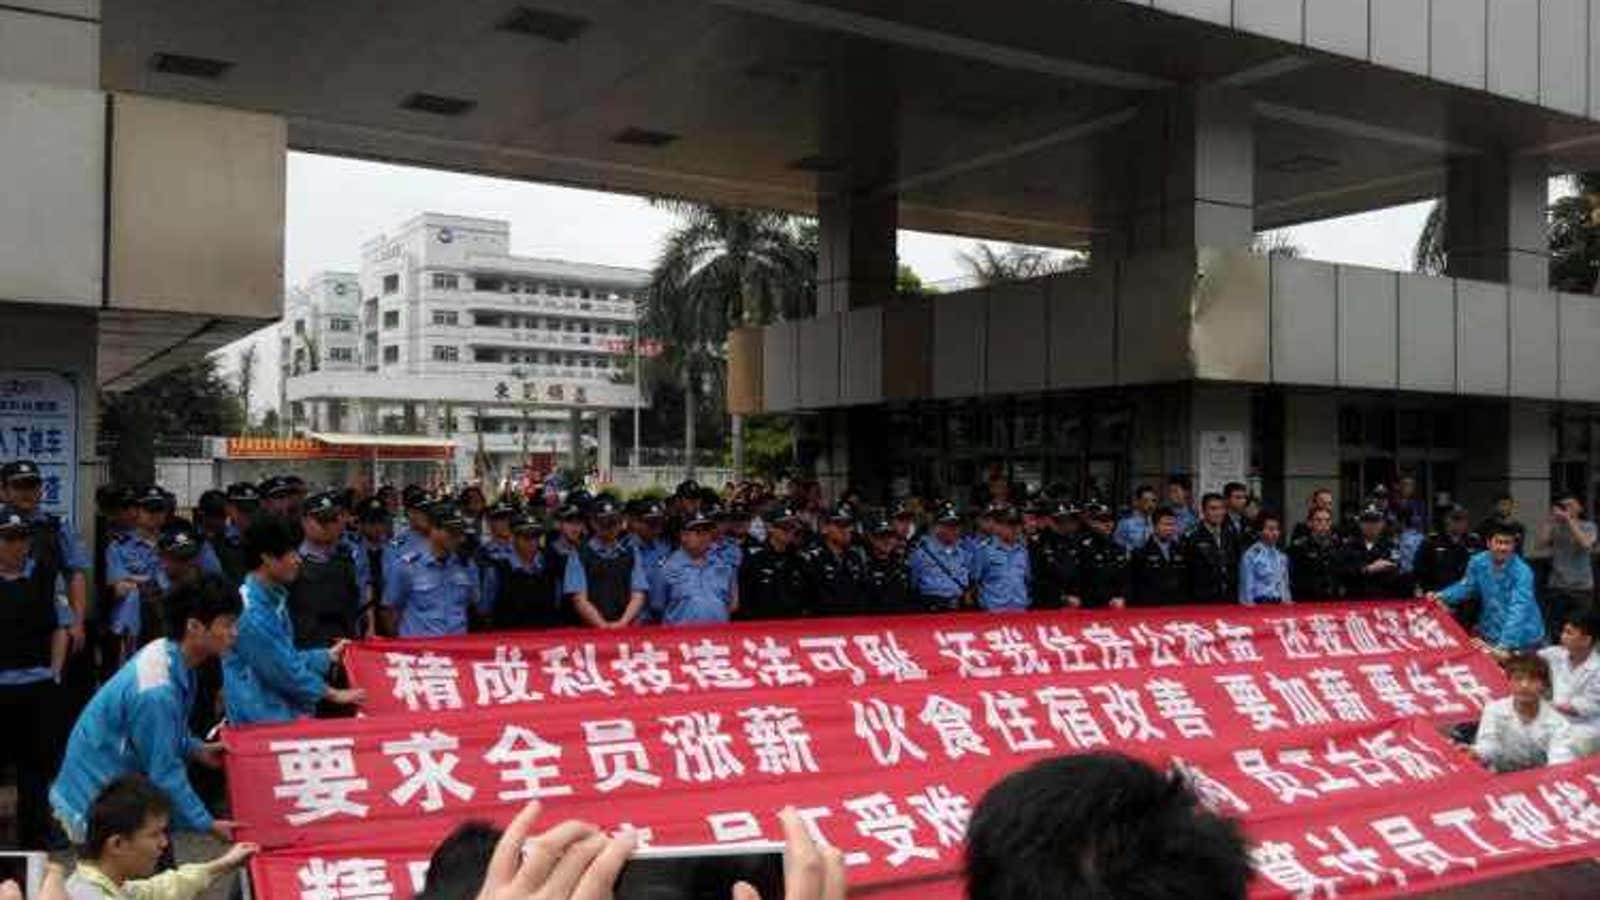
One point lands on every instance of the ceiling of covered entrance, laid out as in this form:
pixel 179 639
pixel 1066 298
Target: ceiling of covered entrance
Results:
pixel 1003 116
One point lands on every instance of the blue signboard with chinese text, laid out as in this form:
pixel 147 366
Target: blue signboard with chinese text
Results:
pixel 39 421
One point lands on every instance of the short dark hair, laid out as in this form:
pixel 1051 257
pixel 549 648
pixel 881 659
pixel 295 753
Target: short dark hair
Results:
pixel 1501 498
pixel 1143 489
pixel 1586 621
pixel 1164 512
pixel 1209 496
pixel 202 601
pixel 1528 664
pixel 1178 481
pixel 458 864
pixel 1265 516
pixel 121 808
pixel 1100 825
pixel 1568 495
pixel 267 536
pixel 1503 529
pixel 1233 487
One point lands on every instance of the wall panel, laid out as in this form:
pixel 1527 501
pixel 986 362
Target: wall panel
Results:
pixel 1367 338
pixel 1400 34
pixel 1017 338
pixel 1513 34
pixel 1481 329
pixel 1083 328
pixel 1564 55
pixel 1456 36
pixel 1427 344
pixel 1337 26
pixel 959 341
pixel 1580 335
pixel 1304 322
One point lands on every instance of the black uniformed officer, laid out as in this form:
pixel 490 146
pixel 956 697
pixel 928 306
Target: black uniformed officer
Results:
pixel 1369 564
pixel 243 504
pixel 772 580
pixel 606 582
pixel 833 566
pixel 1102 566
pixel 524 593
pixel 1159 571
pixel 33 649
pixel 885 577
pixel 1049 557
pixel 1442 561
pixel 1236 497
pixel 1213 559
pixel 1314 558
pixel 325 602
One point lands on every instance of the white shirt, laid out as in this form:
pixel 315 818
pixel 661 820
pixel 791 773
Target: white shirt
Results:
pixel 1578 687
pixel 1507 744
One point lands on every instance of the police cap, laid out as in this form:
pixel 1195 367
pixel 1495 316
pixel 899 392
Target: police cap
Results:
pixel 688 489
pixel 243 493
pixel 12 521
pixel 413 497
pixel 877 524
pixel 179 542
pixel 371 510
pixel 504 508
pixel 152 497
pixel 948 514
pixel 842 513
pixel 606 508
pixel 20 471
pixel 699 522
pixel 324 507
pixel 1372 514
pixel 523 523
pixel 444 514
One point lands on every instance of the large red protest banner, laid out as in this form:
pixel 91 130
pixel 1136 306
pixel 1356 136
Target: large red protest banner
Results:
pixel 1285 717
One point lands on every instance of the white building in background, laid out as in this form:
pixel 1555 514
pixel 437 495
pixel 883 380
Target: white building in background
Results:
pixel 445 332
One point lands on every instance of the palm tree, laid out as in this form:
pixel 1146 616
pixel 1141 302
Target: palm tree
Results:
pixel 248 357
pixel 1015 263
pixel 718 269
pixel 1574 238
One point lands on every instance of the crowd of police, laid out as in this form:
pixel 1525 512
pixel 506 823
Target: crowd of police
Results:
pixel 240 609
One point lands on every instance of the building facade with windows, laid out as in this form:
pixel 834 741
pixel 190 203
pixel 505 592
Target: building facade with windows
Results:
pixel 445 332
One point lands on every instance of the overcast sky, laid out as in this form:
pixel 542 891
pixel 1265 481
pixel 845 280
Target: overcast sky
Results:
pixel 335 204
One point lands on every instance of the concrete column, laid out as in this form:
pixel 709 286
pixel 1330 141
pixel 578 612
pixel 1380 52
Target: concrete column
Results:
pixel 603 427
pixel 1185 176
pixel 1495 220
pixel 1310 449
pixel 575 438
pixel 1221 408
pixel 857 205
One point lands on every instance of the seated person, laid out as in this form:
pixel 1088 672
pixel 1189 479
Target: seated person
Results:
pixel 1523 731
pixel 126 837
pixel 1575 679
pixel 1100 825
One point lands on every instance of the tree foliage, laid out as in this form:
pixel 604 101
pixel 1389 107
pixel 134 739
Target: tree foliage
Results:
pixel 164 416
pixel 989 266
pixel 1574 238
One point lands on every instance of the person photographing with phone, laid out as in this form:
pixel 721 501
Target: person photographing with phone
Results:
pixel 1570 540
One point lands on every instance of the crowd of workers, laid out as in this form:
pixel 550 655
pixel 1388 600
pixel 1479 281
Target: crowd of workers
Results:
pixel 242 610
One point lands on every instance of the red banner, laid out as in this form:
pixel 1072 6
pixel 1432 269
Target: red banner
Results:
pixel 884 732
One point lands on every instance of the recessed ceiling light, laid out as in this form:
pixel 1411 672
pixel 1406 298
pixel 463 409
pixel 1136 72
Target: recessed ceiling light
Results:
pixel 644 137
pixel 190 66
pixel 542 23
pixel 438 105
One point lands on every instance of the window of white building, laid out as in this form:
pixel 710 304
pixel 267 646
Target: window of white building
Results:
pixel 341 323
pixel 446 353
pixel 342 354
pixel 391 353
pixel 446 317
pixel 391 284
pixel 445 281
pixel 391 318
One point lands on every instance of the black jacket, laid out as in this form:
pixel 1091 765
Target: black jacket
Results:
pixel 1361 585
pixel 1213 565
pixel 1102 570
pixel 1314 567
pixel 1157 578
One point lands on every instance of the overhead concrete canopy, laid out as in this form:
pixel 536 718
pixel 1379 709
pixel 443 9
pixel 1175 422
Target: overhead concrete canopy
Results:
pixel 1003 115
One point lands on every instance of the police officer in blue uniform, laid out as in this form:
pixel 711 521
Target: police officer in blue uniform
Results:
pixel 606 581
pixel 430 592
pixel 58 552
pixel 33 649
pixel 1002 569
pixel 412 534
pixel 132 562
pixel 941 563
pixel 689 587
pixel 243 504
pixel 646 523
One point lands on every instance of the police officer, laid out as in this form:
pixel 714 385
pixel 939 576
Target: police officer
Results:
pixel 1369 564
pixel 1159 571
pixel 606 582
pixel 132 562
pixel 368 544
pixel 1314 558
pixel 1442 561
pixel 1213 558
pixel 58 553
pixel 772 581
pixel 689 588
pixel 1102 564
pixel 682 506
pixel 179 551
pixel 562 543
pixel 885 577
pixel 496 542
pixel 1000 568
pixel 279 496
pixel 941 564
pixel 325 602
pixel 646 520
pixel 733 531
pixel 430 592
pixel 1049 557
pixel 522 592
pixel 34 628
pixel 834 566
pixel 243 504
pixel 903 516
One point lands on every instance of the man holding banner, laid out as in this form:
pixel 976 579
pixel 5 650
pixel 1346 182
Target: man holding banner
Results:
pixel 1510 620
